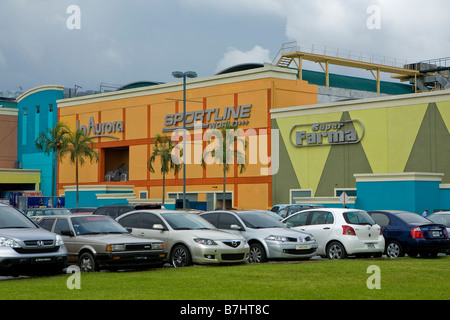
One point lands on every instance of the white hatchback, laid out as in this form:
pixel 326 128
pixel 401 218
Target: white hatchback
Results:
pixel 340 232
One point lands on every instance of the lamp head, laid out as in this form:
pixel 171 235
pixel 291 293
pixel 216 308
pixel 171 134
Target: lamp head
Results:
pixel 190 74
pixel 177 74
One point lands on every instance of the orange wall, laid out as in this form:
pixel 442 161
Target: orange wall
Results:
pixel 143 119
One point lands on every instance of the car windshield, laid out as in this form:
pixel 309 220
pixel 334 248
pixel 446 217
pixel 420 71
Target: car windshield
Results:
pixel 11 218
pixel 96 225
pixel 186 221
pixel 358 217
pixel 441 218
pixel 261 220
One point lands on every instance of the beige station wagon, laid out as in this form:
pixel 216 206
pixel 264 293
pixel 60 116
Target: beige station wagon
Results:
pixel 97 242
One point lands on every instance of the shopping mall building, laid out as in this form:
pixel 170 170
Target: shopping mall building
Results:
pixel 310 137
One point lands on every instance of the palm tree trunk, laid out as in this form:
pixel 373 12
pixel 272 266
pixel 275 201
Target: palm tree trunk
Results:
pixel 76 179
pixel 224 186
pixel 164 187
pixel 53 178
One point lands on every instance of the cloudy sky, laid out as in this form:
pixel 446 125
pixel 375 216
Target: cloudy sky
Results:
pixel 118 41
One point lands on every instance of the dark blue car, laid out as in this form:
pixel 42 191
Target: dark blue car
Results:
pixel 411 234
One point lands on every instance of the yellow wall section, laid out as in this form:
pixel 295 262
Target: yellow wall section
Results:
pixel 257 200
pixel 444 109
pixel 308 162
pixel 88 172
pixel 286 93
pixel 138 162
pixel 390 134
pixel 404 124
pixel 137 122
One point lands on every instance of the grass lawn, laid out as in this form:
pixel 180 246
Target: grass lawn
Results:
pixel 400 279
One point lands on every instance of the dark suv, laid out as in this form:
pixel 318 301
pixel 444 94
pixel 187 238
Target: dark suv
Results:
pixel 26 249
pixel 115 210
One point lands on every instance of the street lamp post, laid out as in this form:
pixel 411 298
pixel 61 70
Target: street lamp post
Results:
pixel 184 75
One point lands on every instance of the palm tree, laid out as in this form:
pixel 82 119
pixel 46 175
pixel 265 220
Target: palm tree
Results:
pixel 224 151
pixel 51 142
pixel 79 146
pixel 163 150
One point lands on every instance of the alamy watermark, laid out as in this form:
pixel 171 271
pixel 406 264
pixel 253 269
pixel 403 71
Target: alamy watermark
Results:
pixel 244 147
pixel 374 280
pixel 74 281
pixel 373 22
pixel 73 22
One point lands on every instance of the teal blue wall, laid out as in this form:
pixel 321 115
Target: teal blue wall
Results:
pixel 89 199
pixel 40 161
pixel 29 128
pixel 444 199
pixel 414 196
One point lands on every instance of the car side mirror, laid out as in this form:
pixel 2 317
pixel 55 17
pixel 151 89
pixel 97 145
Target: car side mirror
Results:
pixel 158 226
pixel 129 229
pixel 235 227
pixel 67 233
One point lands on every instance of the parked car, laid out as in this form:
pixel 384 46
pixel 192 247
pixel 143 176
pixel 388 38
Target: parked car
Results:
pixel 115 210
pixel 27 249
pixel 268 238
pixel 189 238
pixel 33 212
pixel 83 210
pixel 441 217
pixel 278 207
pixel 340 232
pixel 411 234
pixel 293 208
pixel 97 242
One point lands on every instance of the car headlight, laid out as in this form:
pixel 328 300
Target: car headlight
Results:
pixel 8 242
pixel 158 245
pixel 277 238
pixel 59 240
pixel 207 242
pixel 115 247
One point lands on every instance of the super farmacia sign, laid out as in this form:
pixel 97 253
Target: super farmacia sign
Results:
pixel 326 133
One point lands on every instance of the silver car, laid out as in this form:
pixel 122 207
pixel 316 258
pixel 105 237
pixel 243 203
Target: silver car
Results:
pixel 97 242
pixel 268 238
pixel 27 249
pixel 442 217
pixel 190 239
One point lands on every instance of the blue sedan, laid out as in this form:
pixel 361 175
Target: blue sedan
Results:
pixel 411 234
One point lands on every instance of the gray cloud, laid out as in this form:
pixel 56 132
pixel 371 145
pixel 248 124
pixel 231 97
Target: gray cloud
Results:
pixel 125 41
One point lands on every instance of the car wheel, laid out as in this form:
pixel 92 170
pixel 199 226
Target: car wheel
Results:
pixel 87 263
pixel 336 250
pixel 394 250
pixel 257 253
pixel 181 257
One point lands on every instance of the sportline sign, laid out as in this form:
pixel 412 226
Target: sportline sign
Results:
pixel 213 117
pixel 326 133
